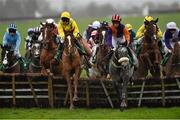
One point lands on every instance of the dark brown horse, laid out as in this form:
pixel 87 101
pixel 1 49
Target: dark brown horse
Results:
pixel 150 56
pixel 9 60
pixel 103 54
pixel 172 67
pixel 71 64
pixel 49 49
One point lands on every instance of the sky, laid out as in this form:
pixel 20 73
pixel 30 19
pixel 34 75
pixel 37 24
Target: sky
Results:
pixel 57 4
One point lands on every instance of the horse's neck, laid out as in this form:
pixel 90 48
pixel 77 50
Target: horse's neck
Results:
pixel 36 61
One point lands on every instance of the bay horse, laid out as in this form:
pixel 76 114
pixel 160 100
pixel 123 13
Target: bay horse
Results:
pixel 172 67
pixel 103 53
pixel 49 49
pixel 10 62
pixel 35 66
pixel 150 56
pixel 121 72
pixel 71 67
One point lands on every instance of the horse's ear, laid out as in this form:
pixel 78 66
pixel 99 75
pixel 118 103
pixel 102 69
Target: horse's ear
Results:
pixel 1 46
pixel 155 21
pixel 42 24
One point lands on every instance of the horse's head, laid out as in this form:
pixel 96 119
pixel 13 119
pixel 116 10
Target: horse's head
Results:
pixel 36 49
pixel 102 34
pixel 69 44
pixel 151 31
pixel 7 55
pixel 48 36
pixel 121 55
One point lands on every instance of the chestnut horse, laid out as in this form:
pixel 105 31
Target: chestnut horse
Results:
pixel 71 67
pixel 49 49
pixel 150 56
pixel 172 67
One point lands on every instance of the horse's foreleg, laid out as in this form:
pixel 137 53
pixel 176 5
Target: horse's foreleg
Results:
pixel 123 95
pixel 75 82
pixel 70 90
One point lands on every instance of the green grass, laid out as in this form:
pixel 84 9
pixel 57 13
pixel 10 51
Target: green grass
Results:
pixel 135 113
pixel 83 22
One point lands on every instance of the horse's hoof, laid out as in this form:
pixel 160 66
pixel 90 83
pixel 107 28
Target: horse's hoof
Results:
pixel 71 107
pixel 75 98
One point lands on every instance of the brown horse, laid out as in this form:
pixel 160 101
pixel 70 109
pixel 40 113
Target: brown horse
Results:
pixel 150 56
pixel 71 66
pixel 103 54
pixel 172 67
pixel 9 60
pixel 49 49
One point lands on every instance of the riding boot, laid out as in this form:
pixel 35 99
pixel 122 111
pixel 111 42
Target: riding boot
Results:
pixel 58 56
pixel 165 59
pixel 160 45
pixel 80 48
pixel 94 56
pixel 133 58
pixel 138 49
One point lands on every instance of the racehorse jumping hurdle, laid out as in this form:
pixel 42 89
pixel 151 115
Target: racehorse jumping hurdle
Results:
pixel 30 90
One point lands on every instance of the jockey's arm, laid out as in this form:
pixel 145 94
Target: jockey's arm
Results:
pixel 18 41
pixel 76 29
pixel 140 32
pixel 167 40
pixel 127 35
pixel 159 33
pixel 60 31
pixel 5 39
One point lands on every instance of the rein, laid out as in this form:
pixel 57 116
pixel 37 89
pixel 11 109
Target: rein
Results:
pixel 12 66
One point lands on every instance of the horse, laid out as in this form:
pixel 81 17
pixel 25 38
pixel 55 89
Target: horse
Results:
pixel 9 60
pixel 150 56
pixel 103 54
pixel 35 66
pixel 121 72
pixel 49 50
pixel 71 66
pixel 172 67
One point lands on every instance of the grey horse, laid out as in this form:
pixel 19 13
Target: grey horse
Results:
pixel 121 71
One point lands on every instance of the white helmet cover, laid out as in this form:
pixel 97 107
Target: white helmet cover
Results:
pixel 171 25
pixel 96 24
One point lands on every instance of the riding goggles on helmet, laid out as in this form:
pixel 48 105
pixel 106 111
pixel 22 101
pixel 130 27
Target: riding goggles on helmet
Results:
pixel 12 30
pixel 64 19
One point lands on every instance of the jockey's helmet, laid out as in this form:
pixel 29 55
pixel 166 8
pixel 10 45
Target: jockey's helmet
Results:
pixel 30 31
pixel 96 24
pixel 129 26
pixel 116 18
pixel 148 19
pixel 50 21
pixel 171 26
pixel 12 28
pixel 65 16
pixel 104 23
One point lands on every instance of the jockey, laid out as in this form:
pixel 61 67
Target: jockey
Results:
pixel 132 35
pixel 141 31
pixel 52 25
pixel 12 38
pixel 67 24
pixel 170 36
pixel 37 34
pixel 120 34
pixel 95 25
pixel 93 41
pixel 28 39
